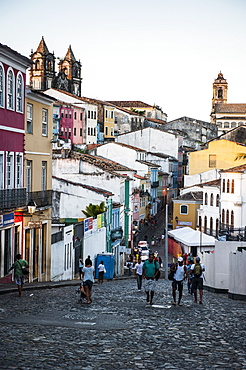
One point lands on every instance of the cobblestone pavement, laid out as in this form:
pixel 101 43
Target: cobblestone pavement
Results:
pixel 51 329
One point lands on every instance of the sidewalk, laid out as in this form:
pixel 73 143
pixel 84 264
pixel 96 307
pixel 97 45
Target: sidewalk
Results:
pixel 12 288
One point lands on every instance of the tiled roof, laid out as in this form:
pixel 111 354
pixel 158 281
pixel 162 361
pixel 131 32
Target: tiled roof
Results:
pixel 139 177
pixel 160 121
pixel 230 108
pixel 130 103
pixel 231 117
pixel 130 146
pixel 211 183
pixel 7 49
pixel 88 187
pixel 196 195
pixel 103 163
pixel 237 169
pixel 162 155
pixel 148 163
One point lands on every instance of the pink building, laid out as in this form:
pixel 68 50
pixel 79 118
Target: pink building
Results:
pixel 72 124
pixel 12 140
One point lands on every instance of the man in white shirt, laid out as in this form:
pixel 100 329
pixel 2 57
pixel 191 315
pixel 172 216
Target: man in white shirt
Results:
pixel 138 273
pixel 179 275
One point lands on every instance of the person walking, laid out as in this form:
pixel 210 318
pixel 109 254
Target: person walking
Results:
pixel 197 280
pixel 190 275
pixel 138 273
pixel 18 272
pixel 177 283
pixel 101 272
pixel 88 279
pixel 88 260
pixel 150 271
pixel 81 265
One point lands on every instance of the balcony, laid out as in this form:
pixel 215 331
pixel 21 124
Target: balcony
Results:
pixel 10 199
pixel 41 198
pixel 155 184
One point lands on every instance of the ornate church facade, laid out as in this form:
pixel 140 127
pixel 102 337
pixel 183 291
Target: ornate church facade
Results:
pixel 225 116
pixel 43 75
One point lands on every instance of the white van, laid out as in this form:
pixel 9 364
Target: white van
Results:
pixel 143 250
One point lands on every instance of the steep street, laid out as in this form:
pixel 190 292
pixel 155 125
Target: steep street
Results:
pixel 51 329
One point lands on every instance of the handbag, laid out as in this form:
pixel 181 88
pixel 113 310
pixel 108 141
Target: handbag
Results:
pixel 24 269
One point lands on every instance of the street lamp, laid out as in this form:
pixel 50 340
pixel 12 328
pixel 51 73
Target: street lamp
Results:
pixel 31 207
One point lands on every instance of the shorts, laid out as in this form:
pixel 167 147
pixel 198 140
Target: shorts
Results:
pixel 150 285
pixel 88 283
pixel 177 284
pixel 19 279
pixel 197 283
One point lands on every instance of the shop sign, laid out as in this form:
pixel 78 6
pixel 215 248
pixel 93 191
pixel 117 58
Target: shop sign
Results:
pixel 6 220
pixel 35 225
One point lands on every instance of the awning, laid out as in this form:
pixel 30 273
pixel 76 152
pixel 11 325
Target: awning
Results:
pixel 191 237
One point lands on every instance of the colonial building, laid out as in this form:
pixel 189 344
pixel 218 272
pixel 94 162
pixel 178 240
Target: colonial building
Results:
pixel 43 74
pixel 146 110
pixel 225 116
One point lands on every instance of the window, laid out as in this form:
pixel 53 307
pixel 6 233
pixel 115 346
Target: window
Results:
pixel 9 171
pixel 62 113
pixel 212 160
pixel 94 131
pixel 184 209
pixel 232 186
pixel 211 225
pixel 70 114
pixel 19 93
pixel 223 186
pixel 233 124
pixel 89 131
pixel 217 226
pixel 106 113
pixel 44 175
pixel 1 86
pixel 95 115
pixel 232 218
pixel 227 218
pixel 28 176
pixel 106 130
pixel 226 124
pixel 112 114
pixel 89 114
pixel 205 225
pixel 80 132
pixel 10 89
pixel 75 115
pixel 18 171
pixel 212 200
pixel 217 200
pixel 81 117
pixel 66 114
pixel 223 218
pixel 74 131
pixel 29 112
pixel 228 186
pixel 112 131
pixel 44 122
pixel 206 199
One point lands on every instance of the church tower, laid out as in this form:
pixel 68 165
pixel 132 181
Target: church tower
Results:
pixel 42 72
pixel 220 87
pixel 69 76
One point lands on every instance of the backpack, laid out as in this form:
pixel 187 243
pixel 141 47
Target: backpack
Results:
pixel 197 270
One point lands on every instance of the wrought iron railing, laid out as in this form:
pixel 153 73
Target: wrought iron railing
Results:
pixel 41 198
pixel 11 199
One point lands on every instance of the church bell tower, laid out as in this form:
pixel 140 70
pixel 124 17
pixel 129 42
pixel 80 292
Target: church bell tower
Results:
pixel 220 87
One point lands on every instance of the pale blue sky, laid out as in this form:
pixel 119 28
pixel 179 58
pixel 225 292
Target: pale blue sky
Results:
pixel 164 52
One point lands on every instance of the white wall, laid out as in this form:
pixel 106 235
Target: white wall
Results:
pixel 94 244
pixel 237 281
pixel 190 180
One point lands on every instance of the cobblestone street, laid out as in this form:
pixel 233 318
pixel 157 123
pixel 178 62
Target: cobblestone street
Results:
pixel 51 329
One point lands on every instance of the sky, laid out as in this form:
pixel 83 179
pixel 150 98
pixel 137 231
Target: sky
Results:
pixel 163 52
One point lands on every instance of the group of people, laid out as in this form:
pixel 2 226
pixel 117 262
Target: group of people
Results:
pixel 87 274
pixel 193 271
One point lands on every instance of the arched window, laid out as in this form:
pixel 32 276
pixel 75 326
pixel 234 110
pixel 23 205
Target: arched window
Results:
pixel 233 124
pixel 19 93
pixel 205 224
pixel 10 91
pixel 206 199
pixel 232 218
pixel 217 200
pixel 228 186
pixel 212 200
pixel 1 86
pixel 223 218
pixel 217 226
pixel 232 186
pixel 227 218
pixel 223 186
pixel 37 64
pixel 211 225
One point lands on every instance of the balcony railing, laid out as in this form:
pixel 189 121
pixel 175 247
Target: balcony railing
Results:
pixel 41 198
pixel 10 199
pixel 155 184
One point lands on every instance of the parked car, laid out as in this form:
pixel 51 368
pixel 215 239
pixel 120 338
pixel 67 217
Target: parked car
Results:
pixel 143 250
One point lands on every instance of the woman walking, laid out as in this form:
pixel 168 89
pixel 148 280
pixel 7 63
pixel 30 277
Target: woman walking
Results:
pixel 88 279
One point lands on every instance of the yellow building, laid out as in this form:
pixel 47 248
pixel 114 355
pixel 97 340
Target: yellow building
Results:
pixel 220 154
pixel 38 182
pixel 108 122
pixel 185 209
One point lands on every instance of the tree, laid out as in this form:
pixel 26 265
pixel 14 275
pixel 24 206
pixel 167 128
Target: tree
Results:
pixel 92 210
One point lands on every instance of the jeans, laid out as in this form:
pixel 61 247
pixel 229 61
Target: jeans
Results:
pixel 139 281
